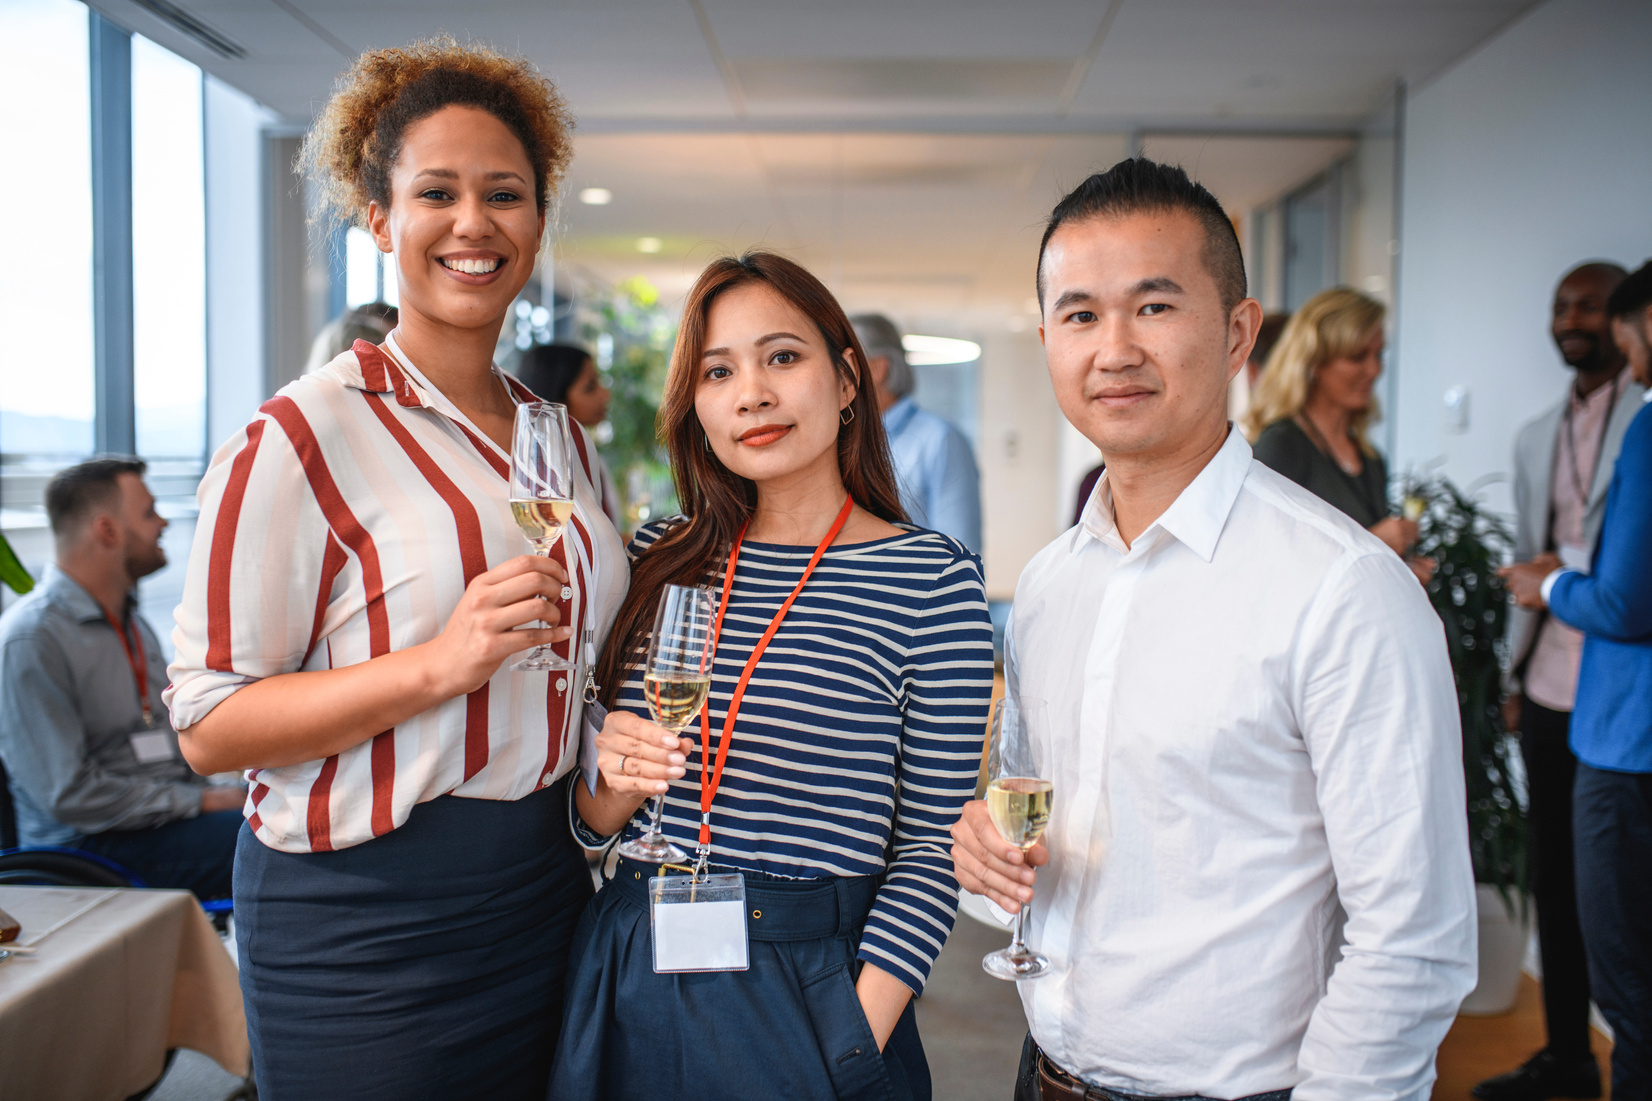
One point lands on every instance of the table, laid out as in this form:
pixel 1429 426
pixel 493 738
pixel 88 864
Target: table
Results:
pixel 117 977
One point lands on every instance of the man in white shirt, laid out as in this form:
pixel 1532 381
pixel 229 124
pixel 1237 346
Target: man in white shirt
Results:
pixel 1258 874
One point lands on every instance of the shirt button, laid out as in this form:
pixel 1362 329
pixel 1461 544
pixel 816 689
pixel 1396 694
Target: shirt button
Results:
pixel 547 779
pixel 567 592
pixel 562 684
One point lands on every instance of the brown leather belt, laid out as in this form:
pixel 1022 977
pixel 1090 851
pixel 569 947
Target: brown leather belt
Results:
pixel 1055 1084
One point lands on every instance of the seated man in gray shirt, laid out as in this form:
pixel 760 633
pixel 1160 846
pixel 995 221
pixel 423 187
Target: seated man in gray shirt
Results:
pixel 91 756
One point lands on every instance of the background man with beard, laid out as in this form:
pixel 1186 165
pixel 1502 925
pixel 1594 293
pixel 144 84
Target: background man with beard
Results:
pixel 1563 464
pixel 91 755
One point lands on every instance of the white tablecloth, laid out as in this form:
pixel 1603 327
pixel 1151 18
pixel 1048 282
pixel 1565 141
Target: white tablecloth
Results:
pixel 117 977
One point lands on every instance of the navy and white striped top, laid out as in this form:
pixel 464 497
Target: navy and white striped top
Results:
pixel 859 738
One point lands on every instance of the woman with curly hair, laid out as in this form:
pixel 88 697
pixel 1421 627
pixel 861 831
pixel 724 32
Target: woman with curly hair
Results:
pixel 406 884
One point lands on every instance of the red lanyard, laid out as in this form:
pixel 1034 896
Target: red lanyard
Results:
pixel 710 780
pixel 140 668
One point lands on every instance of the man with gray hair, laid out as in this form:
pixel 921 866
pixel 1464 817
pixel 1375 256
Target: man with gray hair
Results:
pixel 940 486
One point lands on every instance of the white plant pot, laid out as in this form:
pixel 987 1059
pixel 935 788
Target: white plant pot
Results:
pixel 1503 942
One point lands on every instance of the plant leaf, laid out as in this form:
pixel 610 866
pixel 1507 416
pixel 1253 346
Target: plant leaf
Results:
pixel 12 572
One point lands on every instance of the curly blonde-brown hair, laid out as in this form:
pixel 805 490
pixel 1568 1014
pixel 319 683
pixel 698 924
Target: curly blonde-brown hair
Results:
pixel 352 147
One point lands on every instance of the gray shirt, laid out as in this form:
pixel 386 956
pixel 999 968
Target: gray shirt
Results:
pixel 68 713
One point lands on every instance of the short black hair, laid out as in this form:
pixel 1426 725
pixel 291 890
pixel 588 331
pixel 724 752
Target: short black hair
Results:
pixel 1633 294
pixel 1136 185
pixel 550 369
pixel 75 492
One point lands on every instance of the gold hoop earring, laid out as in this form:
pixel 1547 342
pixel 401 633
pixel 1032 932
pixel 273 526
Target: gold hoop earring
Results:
pixel 850 417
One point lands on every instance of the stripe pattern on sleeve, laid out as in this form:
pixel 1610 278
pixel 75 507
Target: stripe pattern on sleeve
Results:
pixel 859 737
pixel 344 523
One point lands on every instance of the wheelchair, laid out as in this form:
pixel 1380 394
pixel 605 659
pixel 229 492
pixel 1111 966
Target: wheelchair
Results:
pixel 54 866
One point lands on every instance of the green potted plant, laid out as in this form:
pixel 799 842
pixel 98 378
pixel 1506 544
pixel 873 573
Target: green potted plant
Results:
pixel 634 334
pixel 12 573
pixel 1468 544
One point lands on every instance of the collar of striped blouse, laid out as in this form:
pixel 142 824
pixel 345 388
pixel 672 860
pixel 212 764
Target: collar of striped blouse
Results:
pixel 711 778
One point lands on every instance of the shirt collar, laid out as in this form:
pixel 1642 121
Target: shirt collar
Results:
pixel 1196 517
pixel 897 415
pixel 1602 395
pixel 67 593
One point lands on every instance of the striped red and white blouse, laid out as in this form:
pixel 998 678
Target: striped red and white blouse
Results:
pixel 344 523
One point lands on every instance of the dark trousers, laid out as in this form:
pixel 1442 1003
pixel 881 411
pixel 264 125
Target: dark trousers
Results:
pixel 1550 768
pixel 192 854
pixel 1614 879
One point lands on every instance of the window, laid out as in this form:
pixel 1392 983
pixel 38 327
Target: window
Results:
pixel 46 378
pixel 168 255
pixel 369 275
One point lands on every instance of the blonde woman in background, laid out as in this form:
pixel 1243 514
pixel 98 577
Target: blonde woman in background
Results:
pixel 1311 406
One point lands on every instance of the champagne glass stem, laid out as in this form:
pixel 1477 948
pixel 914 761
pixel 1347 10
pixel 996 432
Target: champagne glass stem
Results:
pixel 1018 946
pixel 656 808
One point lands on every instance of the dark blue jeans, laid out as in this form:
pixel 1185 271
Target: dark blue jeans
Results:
pixel 1612 825
pixel 192 854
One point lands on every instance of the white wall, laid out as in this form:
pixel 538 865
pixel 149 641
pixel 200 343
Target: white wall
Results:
pixel 1528 156
pixel 1021 426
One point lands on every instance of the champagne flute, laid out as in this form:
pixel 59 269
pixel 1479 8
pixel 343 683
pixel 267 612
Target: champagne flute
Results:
pixel 675 683
pixel 542 494
pixel 1018 801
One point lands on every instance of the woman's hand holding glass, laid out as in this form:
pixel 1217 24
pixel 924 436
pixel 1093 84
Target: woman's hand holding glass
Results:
pixel 488 625
pixel 639 758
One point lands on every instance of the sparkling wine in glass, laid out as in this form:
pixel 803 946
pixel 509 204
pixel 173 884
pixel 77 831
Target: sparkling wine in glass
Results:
pixel 675 684
pixel 542 494
pixel 1018 802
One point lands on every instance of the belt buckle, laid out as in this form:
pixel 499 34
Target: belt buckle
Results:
pixel 1055 1084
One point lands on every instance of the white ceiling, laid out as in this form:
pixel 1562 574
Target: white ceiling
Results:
pixel 908 150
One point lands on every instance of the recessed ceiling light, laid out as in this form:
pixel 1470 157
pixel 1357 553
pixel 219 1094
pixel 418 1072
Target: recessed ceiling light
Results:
pixel 929 351
pixel 648 244
pixel 596 196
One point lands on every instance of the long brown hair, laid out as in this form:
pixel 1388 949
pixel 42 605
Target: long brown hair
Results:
pixel 716 501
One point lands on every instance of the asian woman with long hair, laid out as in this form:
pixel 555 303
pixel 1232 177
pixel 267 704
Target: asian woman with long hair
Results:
pixel 860 651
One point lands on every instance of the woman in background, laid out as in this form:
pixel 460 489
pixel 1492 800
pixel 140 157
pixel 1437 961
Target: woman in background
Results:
pixel 854 748
pixel 406 886
pixel 1312 404
pixel 566 373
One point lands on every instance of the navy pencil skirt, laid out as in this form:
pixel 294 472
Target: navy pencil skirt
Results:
pixel 790 1026
pixel 427 963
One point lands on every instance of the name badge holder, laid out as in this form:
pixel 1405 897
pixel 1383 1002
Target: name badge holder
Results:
pixel 698 919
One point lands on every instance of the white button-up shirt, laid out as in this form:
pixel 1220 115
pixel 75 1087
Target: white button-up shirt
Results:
pixel 1259 870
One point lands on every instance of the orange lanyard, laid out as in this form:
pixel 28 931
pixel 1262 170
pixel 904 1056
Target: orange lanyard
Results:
pixel 711 779
pixel 140 667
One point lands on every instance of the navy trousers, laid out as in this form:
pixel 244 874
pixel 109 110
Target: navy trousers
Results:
pixel 789 1027
pixel 427 963
pixel 1613 829
pixel 192 854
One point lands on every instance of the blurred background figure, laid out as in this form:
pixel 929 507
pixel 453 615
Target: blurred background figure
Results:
pixel 1311 408
pixel 566 373
pixel 934 464
pixel 1563 463
pixel 371 323
pixel 90 753
pixel 1608 598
